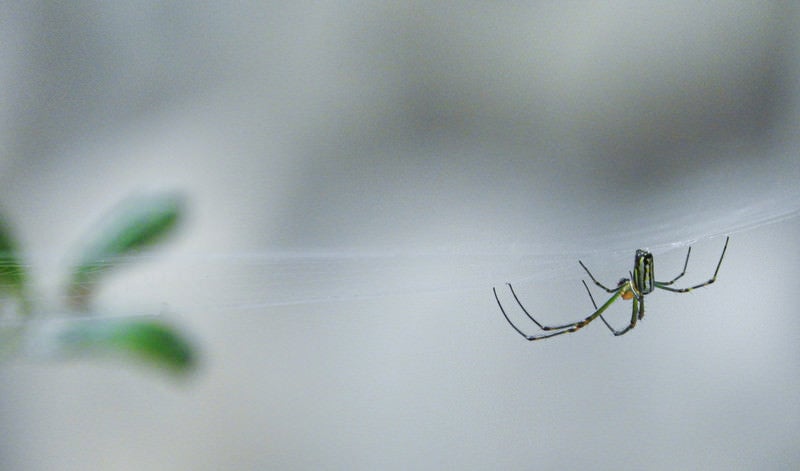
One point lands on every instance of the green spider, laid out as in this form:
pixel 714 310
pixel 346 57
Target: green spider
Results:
pixel 640 284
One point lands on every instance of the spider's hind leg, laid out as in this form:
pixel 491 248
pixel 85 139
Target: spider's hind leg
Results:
pixel 685 264
pixel 665 285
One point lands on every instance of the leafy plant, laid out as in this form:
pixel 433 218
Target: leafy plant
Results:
pixel 13 278
pixel 137 224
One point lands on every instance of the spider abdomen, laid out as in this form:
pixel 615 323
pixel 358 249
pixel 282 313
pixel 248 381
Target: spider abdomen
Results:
pixel 643 278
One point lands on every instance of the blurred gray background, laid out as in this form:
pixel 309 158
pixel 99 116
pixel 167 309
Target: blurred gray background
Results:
pixel 360 175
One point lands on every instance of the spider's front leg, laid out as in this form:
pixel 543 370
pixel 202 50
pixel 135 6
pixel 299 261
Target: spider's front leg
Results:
pixel 567 328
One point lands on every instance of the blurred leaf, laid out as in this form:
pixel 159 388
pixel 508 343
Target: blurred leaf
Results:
pixel 13 277
pixel 148 340
pixel 137 224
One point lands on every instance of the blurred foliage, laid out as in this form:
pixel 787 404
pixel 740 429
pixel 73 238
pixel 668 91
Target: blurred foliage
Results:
pixel 148 340
pixel 137 224
pixel 13 278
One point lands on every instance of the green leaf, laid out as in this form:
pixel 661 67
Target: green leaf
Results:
pixel 13 277
pixel 135 225
pixel 148 340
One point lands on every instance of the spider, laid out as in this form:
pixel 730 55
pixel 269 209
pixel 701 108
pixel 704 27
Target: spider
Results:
pixel 640 284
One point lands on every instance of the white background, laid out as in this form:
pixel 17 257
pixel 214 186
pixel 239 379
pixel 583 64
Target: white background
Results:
pixel 360 176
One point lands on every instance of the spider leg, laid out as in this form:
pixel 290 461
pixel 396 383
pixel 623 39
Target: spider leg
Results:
pixel 564 329
pixel 665 286
pixel 595 307
pixel 685 264
pixel 609 290
pixel 543 327
pixel 636 294
pixel 637 312
pixel 519 331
